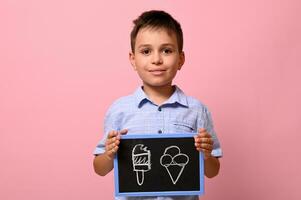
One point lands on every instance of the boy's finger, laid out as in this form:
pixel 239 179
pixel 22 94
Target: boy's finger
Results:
pixel 111 154
pixel 198 140
pixel 109 141
pixel 203 146
pixel 197 145
pixel 116 142
pixel 122 132
pixel 202 130
pixel 207 140
pixel 206 146
pixel 204 135
pixel 112 134
pixel 114 150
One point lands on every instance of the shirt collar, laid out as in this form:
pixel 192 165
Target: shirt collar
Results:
pixel 178 97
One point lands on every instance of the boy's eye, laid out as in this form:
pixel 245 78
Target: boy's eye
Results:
pixel 145 51
pixel 167 51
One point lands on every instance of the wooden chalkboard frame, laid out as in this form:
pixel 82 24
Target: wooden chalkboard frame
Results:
pixel 199 191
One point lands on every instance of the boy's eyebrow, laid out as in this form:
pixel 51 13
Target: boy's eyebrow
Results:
pixel 149 45
pixel 167 44
pixel 144 45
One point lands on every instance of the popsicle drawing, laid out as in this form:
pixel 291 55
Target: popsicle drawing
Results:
pixel 141 158
pixel 174 162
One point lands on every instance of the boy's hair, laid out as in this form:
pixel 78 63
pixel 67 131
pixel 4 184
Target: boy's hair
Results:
pixel 157 19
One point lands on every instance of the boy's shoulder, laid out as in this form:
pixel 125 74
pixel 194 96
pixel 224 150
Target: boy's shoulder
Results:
pixel 122 103
pixel 193 102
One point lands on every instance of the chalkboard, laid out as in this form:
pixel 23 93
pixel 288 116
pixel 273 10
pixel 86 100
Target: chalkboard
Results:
pixel 158 165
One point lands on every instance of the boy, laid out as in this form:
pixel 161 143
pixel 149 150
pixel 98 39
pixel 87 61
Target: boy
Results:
pixel 158 106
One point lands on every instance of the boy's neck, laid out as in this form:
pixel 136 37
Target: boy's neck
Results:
pixel 158 95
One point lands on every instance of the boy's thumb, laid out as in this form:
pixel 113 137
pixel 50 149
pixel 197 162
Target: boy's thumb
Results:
pixel 123 131
pixel 201 130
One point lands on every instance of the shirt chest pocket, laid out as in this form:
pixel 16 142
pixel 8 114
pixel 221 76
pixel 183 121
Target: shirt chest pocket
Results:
pixel 182 127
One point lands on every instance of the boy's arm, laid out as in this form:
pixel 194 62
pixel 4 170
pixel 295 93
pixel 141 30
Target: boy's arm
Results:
pixel 204 143
pixel 211 167
pixel 103 163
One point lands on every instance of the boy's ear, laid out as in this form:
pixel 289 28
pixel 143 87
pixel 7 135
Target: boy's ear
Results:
pixel 181 60
pixel 132 60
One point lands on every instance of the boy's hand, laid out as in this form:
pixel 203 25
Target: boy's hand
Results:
pixel 112 142
pixel 204 142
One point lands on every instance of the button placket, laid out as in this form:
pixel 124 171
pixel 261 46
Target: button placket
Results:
pixel 160 131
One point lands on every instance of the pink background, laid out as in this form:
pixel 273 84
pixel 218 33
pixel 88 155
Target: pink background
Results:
pixel 63 62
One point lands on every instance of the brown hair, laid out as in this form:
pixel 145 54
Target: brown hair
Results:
pixel 157 19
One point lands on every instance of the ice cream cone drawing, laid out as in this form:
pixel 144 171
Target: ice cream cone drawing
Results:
pixel 141 158
pixel 174 162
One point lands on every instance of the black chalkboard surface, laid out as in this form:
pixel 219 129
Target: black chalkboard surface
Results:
pixel 158 165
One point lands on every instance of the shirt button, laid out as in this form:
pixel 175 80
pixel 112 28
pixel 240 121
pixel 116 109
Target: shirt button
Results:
pixel 160 131
pixel 159 109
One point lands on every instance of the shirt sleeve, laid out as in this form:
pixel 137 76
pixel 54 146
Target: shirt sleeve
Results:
pixel 206 122
pixel 109 124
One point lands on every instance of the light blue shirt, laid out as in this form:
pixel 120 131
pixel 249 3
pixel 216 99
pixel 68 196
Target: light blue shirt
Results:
pixel 139 115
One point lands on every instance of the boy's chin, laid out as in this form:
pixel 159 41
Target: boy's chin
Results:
pixel 157 85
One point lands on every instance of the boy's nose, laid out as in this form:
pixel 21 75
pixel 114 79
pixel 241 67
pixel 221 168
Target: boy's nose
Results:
pixel 157 59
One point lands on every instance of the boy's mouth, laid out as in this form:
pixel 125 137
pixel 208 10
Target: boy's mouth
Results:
pixel 157 72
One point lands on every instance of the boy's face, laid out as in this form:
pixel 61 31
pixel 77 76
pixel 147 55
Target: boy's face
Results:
pixel 156 58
